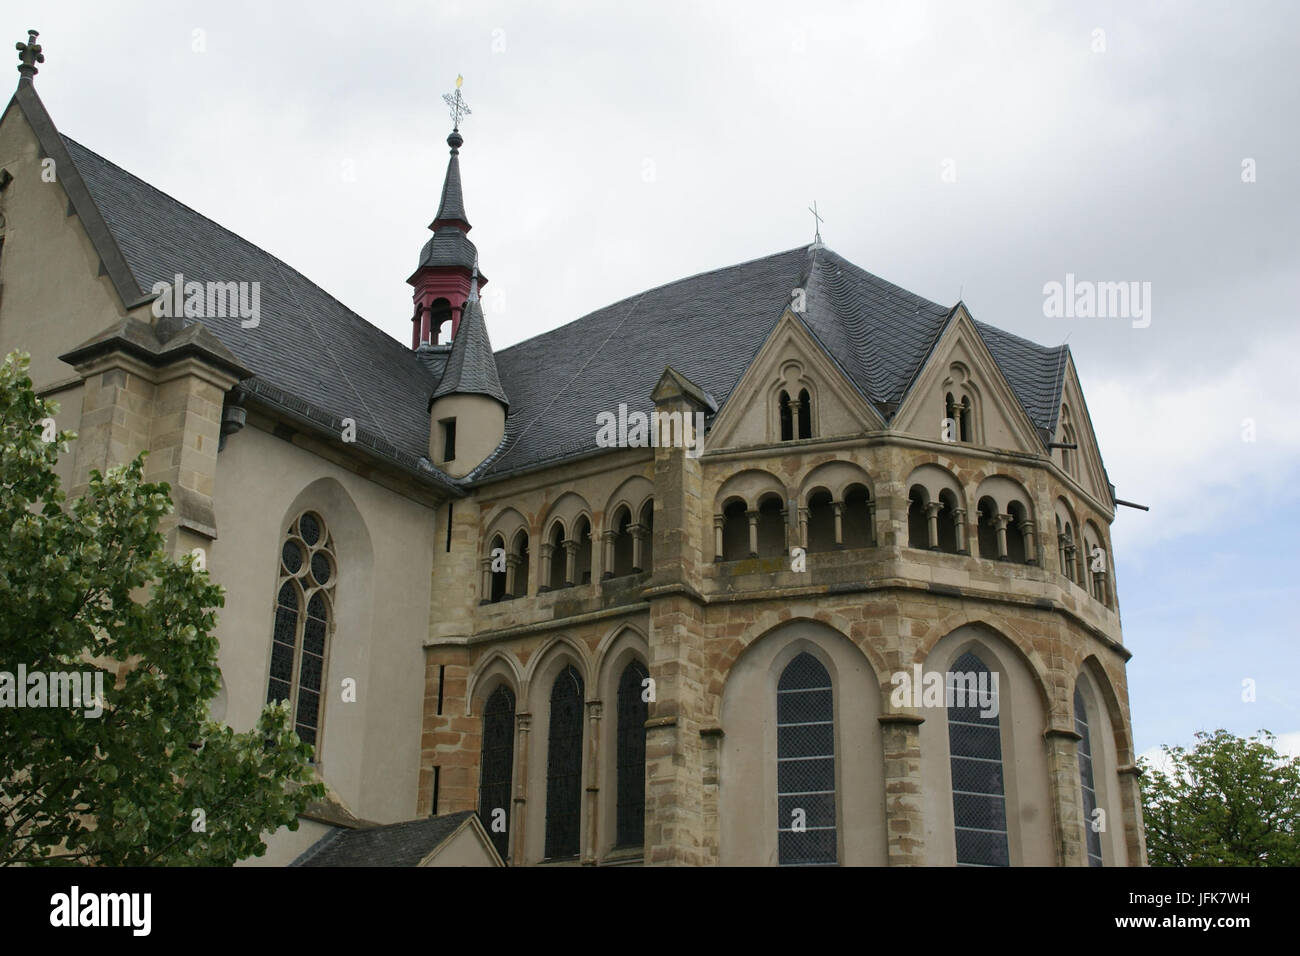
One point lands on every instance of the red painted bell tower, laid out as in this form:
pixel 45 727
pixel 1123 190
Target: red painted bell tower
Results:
pixel 447 261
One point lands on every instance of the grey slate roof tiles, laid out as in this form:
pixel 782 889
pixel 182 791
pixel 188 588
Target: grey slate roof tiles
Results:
pixel 311 348
pixel 471 368
pixel 397 844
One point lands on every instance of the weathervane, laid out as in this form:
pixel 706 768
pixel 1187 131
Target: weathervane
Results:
pixel 456 103
pixel 29 54
pixel 813 209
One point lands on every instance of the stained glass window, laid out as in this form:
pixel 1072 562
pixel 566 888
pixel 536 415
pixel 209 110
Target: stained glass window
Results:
pixel 805 764
pixel 633 711
pixel 1085 778
pixel 564 766
pixel 975 743
pixel 497 766
pixel 302 623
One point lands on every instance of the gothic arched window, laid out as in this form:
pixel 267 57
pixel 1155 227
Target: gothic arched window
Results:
pixel 633 711
pixel 787 421
pixel 564 766
pixel 300 641
pixel 1085 778
pixel 979 810
pixel 497 766
pixel 805 764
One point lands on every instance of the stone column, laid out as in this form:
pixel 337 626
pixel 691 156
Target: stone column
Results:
pixel 838 508
pixel 544 579
pixel 753 533
pixel 718 521
pixel 871 520
pixel 519 818
pixel 1063 780
pixel 932 515
pixel 803 529
pixel 794 418
pixel 959 527
pixel 785 529
pixel 487 582
pixel 1000 522
pixel 1027 532
pixel 514 587
pixel 1069 550
pixel 638 544
pixel 904 805
pixel 570 561
pixel 592 775
pixel 607 558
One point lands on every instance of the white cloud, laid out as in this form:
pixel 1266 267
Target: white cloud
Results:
pixel 1178 445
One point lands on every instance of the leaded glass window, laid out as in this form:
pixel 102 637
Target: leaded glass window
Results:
pixel 497 766
pixel 302 623
pixel 805 764
pixel 1085 778
pixel 564 766
pixel 633 712
pixel 975 743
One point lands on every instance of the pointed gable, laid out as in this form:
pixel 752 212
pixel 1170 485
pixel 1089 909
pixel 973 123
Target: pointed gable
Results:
pixel 961 371
pixel 792 365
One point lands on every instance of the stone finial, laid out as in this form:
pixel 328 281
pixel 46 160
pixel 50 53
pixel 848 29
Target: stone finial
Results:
pixel 29 54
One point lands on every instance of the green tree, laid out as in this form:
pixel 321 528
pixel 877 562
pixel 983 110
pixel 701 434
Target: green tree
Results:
pixel 1229 801
pixel 86 586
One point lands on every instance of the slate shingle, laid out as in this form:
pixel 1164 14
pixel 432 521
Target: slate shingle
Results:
pixel 708 327
pixel 397 844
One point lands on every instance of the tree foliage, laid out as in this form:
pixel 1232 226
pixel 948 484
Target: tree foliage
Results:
pixel 85 586
pixel 1229 801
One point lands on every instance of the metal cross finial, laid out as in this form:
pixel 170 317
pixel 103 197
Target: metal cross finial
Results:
pixel 29 54
pixel 456 103
pixel 818 219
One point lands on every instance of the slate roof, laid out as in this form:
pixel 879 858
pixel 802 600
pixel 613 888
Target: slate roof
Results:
pixel 452 204
pixel 319 360
pixel 397 844
pixel 471 368
pixel 308 347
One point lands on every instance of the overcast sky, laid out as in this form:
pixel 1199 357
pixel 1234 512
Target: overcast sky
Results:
pixel 956 149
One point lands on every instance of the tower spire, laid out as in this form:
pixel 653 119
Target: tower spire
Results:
pixel 448 262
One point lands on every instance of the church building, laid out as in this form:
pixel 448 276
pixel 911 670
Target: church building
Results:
pixel 776 564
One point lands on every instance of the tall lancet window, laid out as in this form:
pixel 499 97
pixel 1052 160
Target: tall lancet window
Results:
pixel 633 711
pixel 1085 777
pixel 303 621
pixel 805 764
pixel 497 766
pixel 564 766
pixel 979 808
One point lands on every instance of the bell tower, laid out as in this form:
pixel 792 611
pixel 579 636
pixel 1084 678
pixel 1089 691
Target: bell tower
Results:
pixel 443 276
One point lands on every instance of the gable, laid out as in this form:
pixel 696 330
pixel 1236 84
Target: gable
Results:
pixel 792 362
pixel 1085 466
pixel 54 294
pixel 961 366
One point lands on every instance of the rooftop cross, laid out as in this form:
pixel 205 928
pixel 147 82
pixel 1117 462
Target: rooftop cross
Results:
pixel 456 103
pixel 29 54
pixel 813 209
